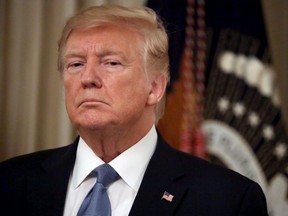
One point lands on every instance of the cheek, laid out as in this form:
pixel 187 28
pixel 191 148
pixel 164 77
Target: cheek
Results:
pixel 67 90
pixel 70 93
pixel 132 88
pixel 134 93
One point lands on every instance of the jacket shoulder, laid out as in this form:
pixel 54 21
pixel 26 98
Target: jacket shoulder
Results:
pixel 203 169
pixel 22 164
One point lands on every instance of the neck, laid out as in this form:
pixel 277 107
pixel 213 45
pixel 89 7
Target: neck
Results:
pixel 108 144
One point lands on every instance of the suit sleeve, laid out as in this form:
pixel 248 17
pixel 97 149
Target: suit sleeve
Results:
pixel 253 202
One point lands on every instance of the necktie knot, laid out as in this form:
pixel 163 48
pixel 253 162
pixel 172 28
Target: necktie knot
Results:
pixel 106 175
pixel 97 201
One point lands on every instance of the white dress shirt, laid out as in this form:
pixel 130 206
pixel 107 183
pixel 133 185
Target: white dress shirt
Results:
pixel 130 165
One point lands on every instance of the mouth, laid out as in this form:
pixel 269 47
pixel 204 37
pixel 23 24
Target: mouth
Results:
pixel 90 102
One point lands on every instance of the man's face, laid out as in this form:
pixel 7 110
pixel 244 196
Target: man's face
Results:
pixel 104 79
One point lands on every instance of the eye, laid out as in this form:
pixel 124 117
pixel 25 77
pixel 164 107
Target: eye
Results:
pixel 75 65
pixel 112 63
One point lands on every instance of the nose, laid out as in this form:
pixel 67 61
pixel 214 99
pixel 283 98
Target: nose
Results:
pixel 90 77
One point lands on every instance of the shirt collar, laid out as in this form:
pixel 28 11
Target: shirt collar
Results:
pixel 130 165
pixel 86 161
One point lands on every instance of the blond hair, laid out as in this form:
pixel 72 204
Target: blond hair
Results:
pixel 143 20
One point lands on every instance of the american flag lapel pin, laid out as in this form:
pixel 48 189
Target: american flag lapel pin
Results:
pixel 167 196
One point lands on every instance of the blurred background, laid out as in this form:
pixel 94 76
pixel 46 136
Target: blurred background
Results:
pixel 227 101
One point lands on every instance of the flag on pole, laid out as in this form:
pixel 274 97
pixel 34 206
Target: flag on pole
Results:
pixel 241 122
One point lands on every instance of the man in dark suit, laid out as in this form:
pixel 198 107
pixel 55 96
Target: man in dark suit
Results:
pixel 114 64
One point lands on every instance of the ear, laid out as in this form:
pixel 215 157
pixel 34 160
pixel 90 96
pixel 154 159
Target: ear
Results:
pixel 158 87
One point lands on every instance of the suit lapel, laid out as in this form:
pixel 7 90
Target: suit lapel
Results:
pixel 48 186
pixel 163 174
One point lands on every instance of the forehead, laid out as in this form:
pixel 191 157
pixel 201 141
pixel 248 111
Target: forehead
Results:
pixel 110 37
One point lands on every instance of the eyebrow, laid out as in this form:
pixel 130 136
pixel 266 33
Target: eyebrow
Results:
pixel 108 52
pixel 101 54
pixel 73 53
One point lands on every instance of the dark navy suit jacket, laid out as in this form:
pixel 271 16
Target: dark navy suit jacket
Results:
pixel 36 185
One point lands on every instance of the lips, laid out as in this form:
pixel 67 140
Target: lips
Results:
pixel 91 102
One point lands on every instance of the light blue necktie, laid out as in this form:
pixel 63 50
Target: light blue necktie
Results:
pixel 97 202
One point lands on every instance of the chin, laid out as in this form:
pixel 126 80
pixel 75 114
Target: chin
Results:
pixel 90 125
